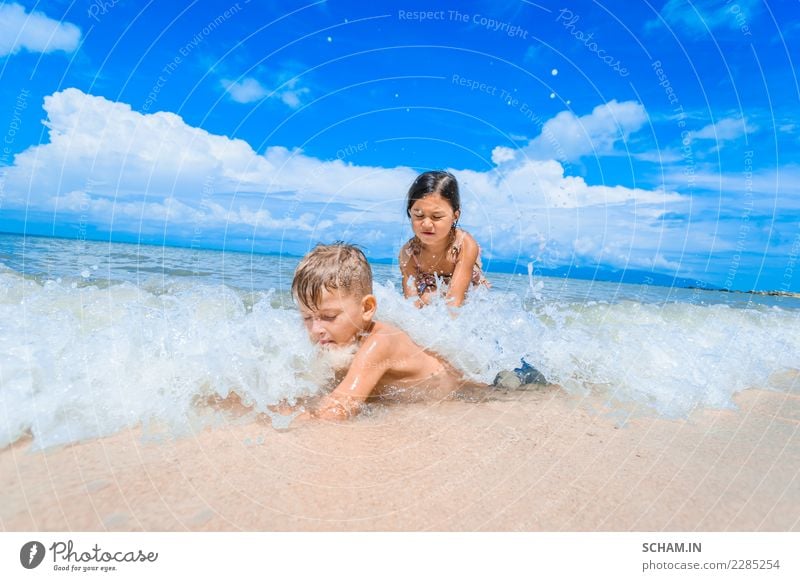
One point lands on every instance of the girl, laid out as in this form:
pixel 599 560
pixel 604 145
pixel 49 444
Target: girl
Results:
pixel 439 251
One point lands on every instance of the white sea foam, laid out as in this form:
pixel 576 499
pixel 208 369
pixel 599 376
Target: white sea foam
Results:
pixel 79 362
pixel 670 358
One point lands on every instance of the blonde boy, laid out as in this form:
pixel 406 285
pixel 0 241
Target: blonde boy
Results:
pixel 333 288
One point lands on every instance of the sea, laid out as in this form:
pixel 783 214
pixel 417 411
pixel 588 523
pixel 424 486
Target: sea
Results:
pixel 98 337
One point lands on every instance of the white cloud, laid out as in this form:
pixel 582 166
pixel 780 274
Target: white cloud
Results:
pixel 34 32
pixel 593 250
pixel 701 16
pixel 245 91
pixel 726 130
pixel 107 162
pixel 660 156
pixel 542 185
pixel 532 211
pixel 293 95
pixel 113 154
pixel 249 90
pixel 567 137
pixel 775 188
pixel 502 154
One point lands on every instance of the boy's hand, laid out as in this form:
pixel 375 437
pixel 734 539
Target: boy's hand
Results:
pixel 332 408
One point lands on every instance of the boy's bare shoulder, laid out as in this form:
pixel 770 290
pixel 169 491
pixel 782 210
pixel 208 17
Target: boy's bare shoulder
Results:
pixel 385 338
pixel 381 329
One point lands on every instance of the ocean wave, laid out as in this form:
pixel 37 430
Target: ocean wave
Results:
pixel 80 362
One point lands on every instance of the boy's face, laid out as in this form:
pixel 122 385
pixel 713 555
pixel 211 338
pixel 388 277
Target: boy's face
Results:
pixel 338 318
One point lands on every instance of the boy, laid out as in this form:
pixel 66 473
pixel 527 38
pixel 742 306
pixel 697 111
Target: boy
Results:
pixel 333 288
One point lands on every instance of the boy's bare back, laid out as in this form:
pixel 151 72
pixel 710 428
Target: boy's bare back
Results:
pixel 403 364
pixel 333 287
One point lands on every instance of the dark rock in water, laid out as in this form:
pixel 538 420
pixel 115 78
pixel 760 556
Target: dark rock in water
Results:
pixel 526 377
pixel 529 374
pixel 507 380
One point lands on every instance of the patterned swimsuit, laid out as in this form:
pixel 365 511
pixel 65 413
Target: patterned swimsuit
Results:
pixel 427 281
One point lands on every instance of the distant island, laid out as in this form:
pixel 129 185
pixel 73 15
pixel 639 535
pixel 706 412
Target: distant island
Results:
pixel 771 293
pixel 600 273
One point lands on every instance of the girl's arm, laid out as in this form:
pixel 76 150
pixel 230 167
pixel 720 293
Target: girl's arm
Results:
pixel 462 274
pixel 406 271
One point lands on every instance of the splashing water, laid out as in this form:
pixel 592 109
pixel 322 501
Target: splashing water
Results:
pixel 81 361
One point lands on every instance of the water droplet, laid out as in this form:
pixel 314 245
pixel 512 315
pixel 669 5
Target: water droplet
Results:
pixel 554 72
pixel 552 95
pixel 280 422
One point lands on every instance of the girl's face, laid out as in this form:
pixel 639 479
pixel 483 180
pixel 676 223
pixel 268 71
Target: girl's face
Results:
pixel 432 218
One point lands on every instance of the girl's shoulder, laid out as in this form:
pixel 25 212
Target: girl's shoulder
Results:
pixel 464 242
pixel 410 248
pixel 407 252
pixel 465 237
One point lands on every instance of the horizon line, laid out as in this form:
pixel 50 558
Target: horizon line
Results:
pixel 512 266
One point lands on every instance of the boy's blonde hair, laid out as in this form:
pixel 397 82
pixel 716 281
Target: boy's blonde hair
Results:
pixel 331 266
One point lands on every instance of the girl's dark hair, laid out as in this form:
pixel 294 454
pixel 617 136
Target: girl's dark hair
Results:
pixel 434 182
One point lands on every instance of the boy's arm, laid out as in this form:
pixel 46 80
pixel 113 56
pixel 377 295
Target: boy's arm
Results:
pixel 462 274
pixel 369 365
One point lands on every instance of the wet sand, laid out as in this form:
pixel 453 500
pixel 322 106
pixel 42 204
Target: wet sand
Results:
pixel 525 461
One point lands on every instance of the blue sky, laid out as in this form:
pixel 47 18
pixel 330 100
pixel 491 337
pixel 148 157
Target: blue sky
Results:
pixel 654 136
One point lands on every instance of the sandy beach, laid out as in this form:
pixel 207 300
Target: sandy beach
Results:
pixel 524 461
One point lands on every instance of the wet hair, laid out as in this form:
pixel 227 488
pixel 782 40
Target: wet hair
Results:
pixel 434 182
pixel 331 266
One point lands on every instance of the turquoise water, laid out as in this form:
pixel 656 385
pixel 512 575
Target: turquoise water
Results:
pixel 96 337
pixel 103 263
